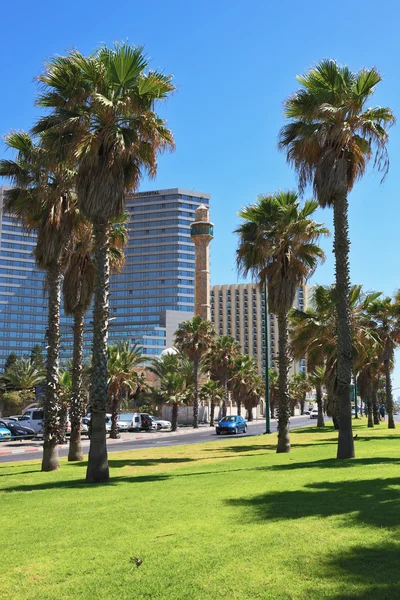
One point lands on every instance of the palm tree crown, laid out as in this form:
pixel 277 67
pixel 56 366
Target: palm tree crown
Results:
pixel 332 134
pixel 277 245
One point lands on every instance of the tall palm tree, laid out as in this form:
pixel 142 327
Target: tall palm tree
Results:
pixel 41 199
pixel 330 139
pixel 123 362
pixel 278 247
pixel 220 362
pixel 102 113
pixel 212 392
pixel 78 287
pixel 385 314
pixel 194 339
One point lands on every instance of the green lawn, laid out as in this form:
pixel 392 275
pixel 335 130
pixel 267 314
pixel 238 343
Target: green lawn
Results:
pixel 229 519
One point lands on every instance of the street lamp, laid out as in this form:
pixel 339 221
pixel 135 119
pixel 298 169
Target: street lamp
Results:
pixel 267 398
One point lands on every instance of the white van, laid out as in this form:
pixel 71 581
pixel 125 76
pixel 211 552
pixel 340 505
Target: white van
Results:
pixel 33 418
pixel 138 421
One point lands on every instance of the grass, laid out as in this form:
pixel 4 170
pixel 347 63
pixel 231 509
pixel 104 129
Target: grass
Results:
pixel 228 519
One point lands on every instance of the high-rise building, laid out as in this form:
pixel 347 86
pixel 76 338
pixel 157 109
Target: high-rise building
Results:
pixel 23 306
pixel 237 310
pixel 155 291
pixel 148 299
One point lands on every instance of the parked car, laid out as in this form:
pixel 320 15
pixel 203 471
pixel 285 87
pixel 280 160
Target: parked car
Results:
pixel 122 425
pixel 231 424
pixel 160 423
pixel 138 421
pixel 17 430
pixel 314 413
pixel 86 423
pixel 84 428
pixel 5 434
pixel 33 418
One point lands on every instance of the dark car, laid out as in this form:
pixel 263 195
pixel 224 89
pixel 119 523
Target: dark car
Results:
pixel 231 424
pixel 18 431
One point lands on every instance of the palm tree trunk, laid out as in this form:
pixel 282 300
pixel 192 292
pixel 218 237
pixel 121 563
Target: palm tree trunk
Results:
pixel 370 413
pixel 272 409
pixel 62 423
pixel 283 400
pixel 196 394
pixel 97 470
pixel 212 409
pixel 225 400
pixel 75 445
pixel 50 460
pixel 389 396
pixel 239 404
pixel 344 343
pixel 114 418
pixel 320 420
pixel 174 420
pixel 302 403
pixel 375 408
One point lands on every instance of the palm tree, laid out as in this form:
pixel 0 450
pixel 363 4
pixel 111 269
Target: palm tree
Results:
pixel 78 287
pixel 174 373
pixel 330 139
pixel 243 372
pixel 273 390
pixel 102 113
pixel 22 375
pixel 385 314
pixel 317 379
pixel 255 391
pixel 123 361
pixel 278 247
pixel 211 392
pixel 301 386
pixel 41 199
pixel 220 363
pixel 194 339
pixel 314 334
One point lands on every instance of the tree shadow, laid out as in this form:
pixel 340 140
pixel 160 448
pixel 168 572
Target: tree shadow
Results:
pixel 374 570
pixel 332 463
pixel 371 501
pixel 115 463
pixel 80 484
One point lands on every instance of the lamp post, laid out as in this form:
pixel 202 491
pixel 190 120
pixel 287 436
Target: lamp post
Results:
pixel 355 397
pixel 267 398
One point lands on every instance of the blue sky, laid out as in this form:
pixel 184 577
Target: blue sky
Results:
pixel 233 64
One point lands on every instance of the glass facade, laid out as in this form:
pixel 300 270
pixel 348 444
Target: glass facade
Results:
pixel 158 277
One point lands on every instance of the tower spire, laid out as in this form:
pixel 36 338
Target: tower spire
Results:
pixel 202 232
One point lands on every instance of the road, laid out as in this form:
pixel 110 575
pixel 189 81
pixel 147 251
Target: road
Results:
pixel 203 434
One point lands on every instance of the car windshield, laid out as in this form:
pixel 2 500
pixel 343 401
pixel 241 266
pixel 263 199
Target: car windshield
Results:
pixel 125 417
pixel 228 419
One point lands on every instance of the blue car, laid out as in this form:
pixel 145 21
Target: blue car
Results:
pixel 5 434
pixel 232 424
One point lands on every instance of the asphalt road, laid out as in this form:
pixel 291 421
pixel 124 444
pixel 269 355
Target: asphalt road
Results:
pixel 203 434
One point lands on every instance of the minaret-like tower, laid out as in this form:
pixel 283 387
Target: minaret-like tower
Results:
pixel 202 232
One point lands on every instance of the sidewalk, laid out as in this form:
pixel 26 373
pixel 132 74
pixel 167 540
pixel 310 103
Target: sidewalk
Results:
pixel 15 447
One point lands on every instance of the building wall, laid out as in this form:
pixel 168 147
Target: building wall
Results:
pixel 238 310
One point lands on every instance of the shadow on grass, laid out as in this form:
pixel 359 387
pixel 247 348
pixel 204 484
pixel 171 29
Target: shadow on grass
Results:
pixel 372 501
pixel 115 463
pixel 373 570
pixel 81 484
